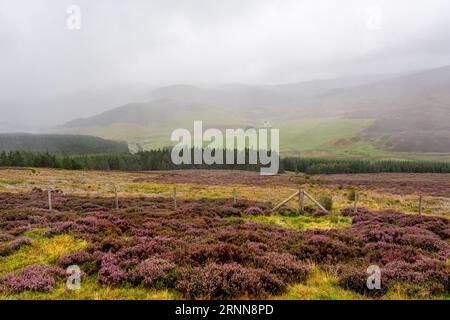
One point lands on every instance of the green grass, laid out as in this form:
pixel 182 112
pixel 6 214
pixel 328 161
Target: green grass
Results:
pixel 318 134
pixel 295 135
pixel 158 134
pixel 42 251
pixel 11 182
pixel 91 289
pixel 319 286
pixel 303 222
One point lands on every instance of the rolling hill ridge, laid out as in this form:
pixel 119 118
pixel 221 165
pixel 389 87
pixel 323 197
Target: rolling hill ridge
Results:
pixel 403 113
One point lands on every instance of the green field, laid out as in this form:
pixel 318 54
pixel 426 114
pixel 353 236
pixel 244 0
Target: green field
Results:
pixel 312 137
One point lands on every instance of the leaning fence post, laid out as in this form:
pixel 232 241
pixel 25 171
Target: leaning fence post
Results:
pixel 285 201
pixel 355 207
pixel 301 200
pixel 234 197
pixel 116 197
pixel 50 206
pixel 175 198
pixel 420 205
pixel 317 203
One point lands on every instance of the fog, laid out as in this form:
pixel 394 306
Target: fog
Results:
pixel 50 73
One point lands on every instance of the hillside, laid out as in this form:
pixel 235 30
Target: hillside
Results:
pixel 412 113
pixel 363 115
pixel 56 143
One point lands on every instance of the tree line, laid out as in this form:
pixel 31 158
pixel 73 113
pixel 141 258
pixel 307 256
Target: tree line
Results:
pixel 328 166
pixel 60 143
pixel 161 160
pixel 142 161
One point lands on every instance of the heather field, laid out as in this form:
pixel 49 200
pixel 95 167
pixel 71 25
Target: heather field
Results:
pixel 210 248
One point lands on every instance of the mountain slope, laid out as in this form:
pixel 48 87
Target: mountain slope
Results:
pixel 407 113
pixel 412 112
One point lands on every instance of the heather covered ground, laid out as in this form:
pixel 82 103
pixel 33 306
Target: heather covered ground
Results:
pixel 209 248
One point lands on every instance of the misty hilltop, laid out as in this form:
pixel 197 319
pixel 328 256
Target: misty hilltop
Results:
pixel 399 113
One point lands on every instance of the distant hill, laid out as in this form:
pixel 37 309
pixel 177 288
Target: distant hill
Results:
pixel 58 143
pixel 412 113
pixel 402 113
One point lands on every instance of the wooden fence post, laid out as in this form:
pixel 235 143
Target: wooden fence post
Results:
pixel 310 197
pixel 234 197
pixel 285 201
pixel 355 207
pixel 116 197
pixel 420 205
pixel 175 198
pixel 301 200
pixel 50 206
pixel 301 192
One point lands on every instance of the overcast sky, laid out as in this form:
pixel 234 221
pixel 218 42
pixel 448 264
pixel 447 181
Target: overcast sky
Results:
pixel 49 73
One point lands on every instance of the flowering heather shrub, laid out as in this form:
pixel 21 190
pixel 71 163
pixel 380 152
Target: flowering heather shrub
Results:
pixel 107 228
pixel 125 225
pixel 437 225
pixel 324 249
pixel 194 209
pixel 230 280
pixel 59 228
pixel 355 279
pixel 5 237
pixel 284 265
pixel 8 248
pixel 430 243
pixel 4 250
pixel 372 232
pixel 256 248
pixel 34 278
pixel 37 220
pixel 239 237
pixel 110 273
pixel 14 224
pixel 220 253
pixel 93 264
pixel 383 253
pixel 13 215
pixel 436 273
pixel 350 211
pixel 88 221
pixel 18 242
pixel 77 257
pixel 204 255
pixel 111 244
pixel 376 232
pixel 141 248
pixel 432 274
pixel 176 225
pixel 152 272
pixel 254 211
pixel 405 247
pixel 229 212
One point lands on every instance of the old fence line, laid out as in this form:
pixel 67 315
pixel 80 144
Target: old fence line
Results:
pixel 301 193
